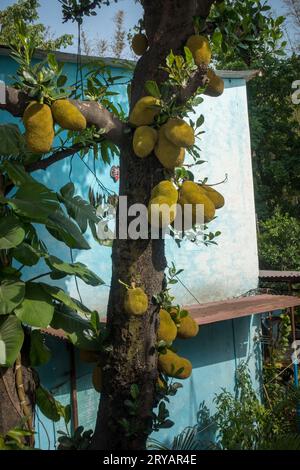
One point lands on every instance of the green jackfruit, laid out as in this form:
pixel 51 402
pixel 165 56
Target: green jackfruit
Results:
pixel 167 189
pixel 144 111
pixel 160 212
pixel 215 86
pixel 38 124
pixel 174 366
pixel 67 116
pixel 216 197
pixel 179 132
pixel 136 301
pixel 139 44
pixel 200 48
pixel 167 330
pixel 188 328
pixel 144 141
pixel 191 193
pixel 169 155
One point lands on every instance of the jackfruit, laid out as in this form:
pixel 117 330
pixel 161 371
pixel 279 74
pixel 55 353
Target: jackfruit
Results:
pixel 97 379
pixel 179 132
pixel 161 384
pixel 216 197
pixel 191 193
pixel 67 116
pixel 88 356
pixel 38 123
pixel 215 86
pixel 167 189
pixel 174 366
pixel 144 111
pixel 167 330
pixel 200 48
pixel 160 211
pixel 136 301
pixel 169 155
pixel 188 328
pixel 144 141
pixel 139 44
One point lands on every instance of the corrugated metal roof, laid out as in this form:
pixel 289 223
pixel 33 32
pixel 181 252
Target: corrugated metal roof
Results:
pixel 241 307
pixel 279 276
pixel 60 334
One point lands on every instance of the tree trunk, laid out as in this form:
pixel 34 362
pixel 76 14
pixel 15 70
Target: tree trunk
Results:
pixel 133 358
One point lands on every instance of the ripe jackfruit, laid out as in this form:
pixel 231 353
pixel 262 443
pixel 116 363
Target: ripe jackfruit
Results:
pixel 216 197
pixel 169 155
pixel 88 356
pixel 139 44
pixel 215 86
pixel 38 123
pixel 200 48
pixel 144 111
pixel 144 141
pixel 188 328
pixel 68 116
pixel 97 379
pixel 160 211
pixel 167 330
pixel 179 133
pixel 136 301
pixel 174 366
pixel 191 193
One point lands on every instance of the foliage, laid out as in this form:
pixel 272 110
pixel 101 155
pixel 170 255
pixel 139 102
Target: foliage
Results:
pixel 75 10
pixel 279 242
pixel 15 439
pixel 80 440
pixel 27 11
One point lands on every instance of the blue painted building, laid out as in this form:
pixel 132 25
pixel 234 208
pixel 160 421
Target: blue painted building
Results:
pixel 212 273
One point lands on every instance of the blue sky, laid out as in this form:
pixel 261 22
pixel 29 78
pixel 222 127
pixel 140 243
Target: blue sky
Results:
pixel 101 26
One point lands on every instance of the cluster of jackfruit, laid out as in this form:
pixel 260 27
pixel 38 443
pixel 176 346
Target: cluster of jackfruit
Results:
pixel 135 301
pixel 39 120
pixel 170 327
pixel 139 43
pixel 173 138
pixel 162 204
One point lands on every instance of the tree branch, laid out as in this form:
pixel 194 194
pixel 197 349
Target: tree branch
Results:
pixel 16 102
pixel 54 158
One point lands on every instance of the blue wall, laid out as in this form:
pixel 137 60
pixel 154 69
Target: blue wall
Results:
pixel 213 273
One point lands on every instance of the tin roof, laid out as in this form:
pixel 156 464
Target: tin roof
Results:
pixel 280 276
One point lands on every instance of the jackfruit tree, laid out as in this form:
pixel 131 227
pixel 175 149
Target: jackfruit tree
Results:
pixel 133 357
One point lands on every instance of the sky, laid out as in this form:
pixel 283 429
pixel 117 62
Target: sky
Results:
pixel 101 26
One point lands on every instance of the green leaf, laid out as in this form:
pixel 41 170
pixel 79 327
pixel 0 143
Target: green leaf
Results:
pixel 77 208
pixel 11 140
pixel 37 308
pixel 26 254
pixel 17 173
pixel 12 232
pixel 34 201
pixel 60 295
pixel 217 39
pixel 47 404
pixel 152 88
pixel 39 353
pixel 11 295
pixel 63 229
pixel 11 339
pixel 78 269
pixel 77 329
pixel 134 391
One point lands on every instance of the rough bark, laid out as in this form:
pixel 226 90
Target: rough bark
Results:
pixel 133 358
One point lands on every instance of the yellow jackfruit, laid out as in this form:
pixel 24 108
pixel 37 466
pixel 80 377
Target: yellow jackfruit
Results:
pixel 174 366
pixel 200 48
pixel 161 212
pixel 139 44
pixel 167 330
pixel 144 141
pixel 215 86
pixel 191 193
pixel 97 379
pixel 88 356
pixel 161 384
pixel 144 111
pixel 169 155
pixel 136 301
pixel 188 328
pixel 179 132
pixel 67 116
pixel 167 189
pixel 38 123
pixel 216 197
